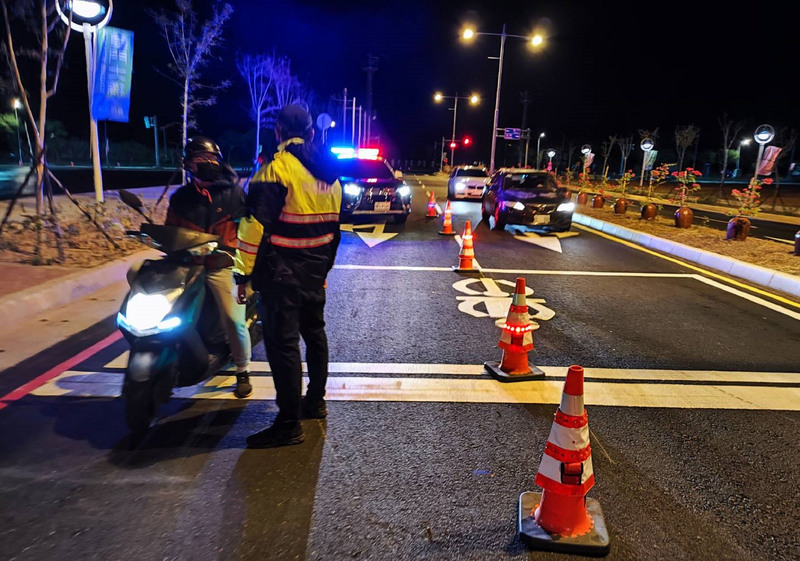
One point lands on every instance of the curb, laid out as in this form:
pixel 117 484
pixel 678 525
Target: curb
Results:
pixel 775 280
pixel 65 290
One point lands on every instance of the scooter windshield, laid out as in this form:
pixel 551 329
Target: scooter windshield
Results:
pixel 172 239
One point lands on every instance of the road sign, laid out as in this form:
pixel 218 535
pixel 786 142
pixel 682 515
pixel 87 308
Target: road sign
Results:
pixel 511 134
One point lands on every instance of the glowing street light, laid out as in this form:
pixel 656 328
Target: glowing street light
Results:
pixel 763 135
pixel 550 153
pixel 585 150
pixel 87 17
pixel 536 40
pixel 538 152
pixel 17 104
pixel 473 99
pixel 646 145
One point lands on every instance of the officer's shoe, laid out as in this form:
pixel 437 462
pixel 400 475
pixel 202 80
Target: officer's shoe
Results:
pixel 243 386
pixel 313 408
pixel 279 434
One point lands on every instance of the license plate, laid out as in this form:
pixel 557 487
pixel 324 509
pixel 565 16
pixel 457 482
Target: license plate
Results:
pixel 382 206
pixel 541 219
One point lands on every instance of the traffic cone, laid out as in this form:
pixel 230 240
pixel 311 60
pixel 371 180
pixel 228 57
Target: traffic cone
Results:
pixel 431 206
pixel 561 518
pixel 466 256
pixel 516 341
pixel 447 222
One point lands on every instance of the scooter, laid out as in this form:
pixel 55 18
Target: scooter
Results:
pixel 171 320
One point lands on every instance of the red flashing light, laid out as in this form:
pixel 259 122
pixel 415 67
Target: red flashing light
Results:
pixel 452 145
pixel 367 153
pixel 467 140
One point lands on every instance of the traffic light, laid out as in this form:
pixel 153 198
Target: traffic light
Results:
pixel 467 141
pixel 452 145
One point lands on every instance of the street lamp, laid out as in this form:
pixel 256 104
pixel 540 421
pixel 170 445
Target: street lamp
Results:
pixel 88 16
pixel 763 135
pixel 473 100
pixel 646 145
pixel 550 153
pixel 17 104
pixel 744 142
pixel 538 143
pixel 585 150
pixel 535 41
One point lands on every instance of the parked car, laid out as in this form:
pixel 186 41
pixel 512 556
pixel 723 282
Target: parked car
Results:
pixel 467 182
pixel 528 198
pixel 371 187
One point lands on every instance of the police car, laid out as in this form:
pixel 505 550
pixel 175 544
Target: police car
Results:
pixel 370 186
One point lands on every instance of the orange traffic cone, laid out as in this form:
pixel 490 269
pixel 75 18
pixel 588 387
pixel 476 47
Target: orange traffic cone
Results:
pixel 431 206
pixel 447 223
pixel 466 257
pixel 516 340
pixel 561 518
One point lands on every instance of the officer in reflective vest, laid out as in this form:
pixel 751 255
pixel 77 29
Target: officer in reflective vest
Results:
pixel 286 247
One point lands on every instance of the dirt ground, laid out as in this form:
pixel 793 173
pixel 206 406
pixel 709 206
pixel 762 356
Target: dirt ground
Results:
pixel 86 246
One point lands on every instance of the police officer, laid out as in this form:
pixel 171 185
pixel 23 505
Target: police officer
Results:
pixel 213 202
pixel 286 247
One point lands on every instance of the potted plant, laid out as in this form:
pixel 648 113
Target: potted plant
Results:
pixel 621 204
pixel 657 175
pixel 749 200
pixel 682 193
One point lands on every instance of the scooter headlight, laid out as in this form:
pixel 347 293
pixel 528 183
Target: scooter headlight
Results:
pixel 144 312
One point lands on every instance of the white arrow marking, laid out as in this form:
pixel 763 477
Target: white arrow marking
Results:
pixel 372 238
pixel 548 242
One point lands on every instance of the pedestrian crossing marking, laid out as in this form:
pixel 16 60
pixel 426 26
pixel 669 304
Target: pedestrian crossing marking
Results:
pixel 718 390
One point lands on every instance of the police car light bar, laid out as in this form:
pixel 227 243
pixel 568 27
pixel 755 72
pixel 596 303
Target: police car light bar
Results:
pixel 347 152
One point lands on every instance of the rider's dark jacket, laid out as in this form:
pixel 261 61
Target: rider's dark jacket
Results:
pixel 214 210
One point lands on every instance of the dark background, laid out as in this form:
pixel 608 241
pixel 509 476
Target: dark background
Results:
pixel 606 68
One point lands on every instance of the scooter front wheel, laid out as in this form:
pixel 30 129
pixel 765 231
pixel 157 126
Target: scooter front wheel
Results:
pixel 140 405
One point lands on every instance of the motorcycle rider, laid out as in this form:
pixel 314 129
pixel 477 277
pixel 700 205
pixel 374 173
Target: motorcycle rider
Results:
pixel 288 245
pixel 213 202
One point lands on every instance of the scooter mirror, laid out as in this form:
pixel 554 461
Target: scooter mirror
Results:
pixel 131 199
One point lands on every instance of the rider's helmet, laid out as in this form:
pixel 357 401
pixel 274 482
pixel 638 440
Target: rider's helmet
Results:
pixel 294 121
pixel 200 146
pixel 202 159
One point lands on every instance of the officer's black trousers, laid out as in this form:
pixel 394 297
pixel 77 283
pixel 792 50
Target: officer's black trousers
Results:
pixel 290 313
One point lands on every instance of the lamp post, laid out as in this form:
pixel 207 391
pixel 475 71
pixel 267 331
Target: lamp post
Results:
pixel 646 145
pixel 17 104
pixel 538 156
pixel 585 150
pixel 744 142
pixel 763 135
pixel 473 99
pixel 88 16
pixel 535 40
pixel 550 153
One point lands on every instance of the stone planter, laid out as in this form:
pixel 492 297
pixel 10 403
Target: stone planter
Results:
pixel 582 198
pixel 738 228
pixel 620 206
pixel 598 201
pixel 649 211
pixel 684 217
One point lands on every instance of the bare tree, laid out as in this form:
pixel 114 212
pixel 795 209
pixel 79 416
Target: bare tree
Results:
pixel 684 137
pixel 625 144
pixel 605 149
pixel 190 46
pixel 730 132
pixel 257 72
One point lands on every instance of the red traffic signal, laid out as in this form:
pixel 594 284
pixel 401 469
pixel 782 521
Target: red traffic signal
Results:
pixel 452 145
pixel 467 141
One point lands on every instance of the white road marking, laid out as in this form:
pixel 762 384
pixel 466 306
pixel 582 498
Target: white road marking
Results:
pixel 548 242
pixel 752 298
pixel 372 237
pixel 483 390
pixel 790 242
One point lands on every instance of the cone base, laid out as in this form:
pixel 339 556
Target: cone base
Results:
pixel 596 543
pixel 470 270
pixel 497 374
pixel 443 233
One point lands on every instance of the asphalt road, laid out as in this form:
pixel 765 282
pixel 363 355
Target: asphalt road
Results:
pixel 692 394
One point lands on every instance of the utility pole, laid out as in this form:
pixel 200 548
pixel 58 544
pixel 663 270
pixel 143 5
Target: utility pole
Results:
pixel 526 100
pixel 371 67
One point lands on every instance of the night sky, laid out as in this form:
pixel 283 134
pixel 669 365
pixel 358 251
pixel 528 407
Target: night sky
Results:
pixel 606 68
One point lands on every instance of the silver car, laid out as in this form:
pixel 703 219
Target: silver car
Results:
pixel 467 182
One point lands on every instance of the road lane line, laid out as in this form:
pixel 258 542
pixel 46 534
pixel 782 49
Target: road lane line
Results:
pixel 465 390
pixel 755 299
pixel 705 272
pixel 54 372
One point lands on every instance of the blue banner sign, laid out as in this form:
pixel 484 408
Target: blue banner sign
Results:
pixel 111 98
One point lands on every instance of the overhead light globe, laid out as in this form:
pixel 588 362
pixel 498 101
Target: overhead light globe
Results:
pixel 551 153
pixel 94 13
pixel 474 99
pixel 537 40
pixel 468 33
pixel 647 145
pixel 764 133
pixel 438 96
pixel 585 149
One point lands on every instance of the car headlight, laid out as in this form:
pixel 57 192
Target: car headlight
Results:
pixel 404 191
pixel 516 205
pixel 352 189
pixel 460 186
pixel 566 207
